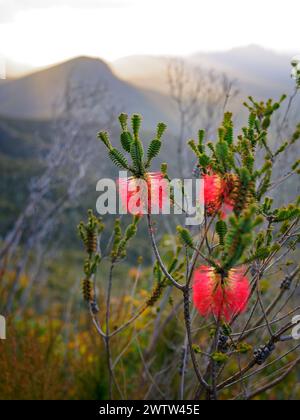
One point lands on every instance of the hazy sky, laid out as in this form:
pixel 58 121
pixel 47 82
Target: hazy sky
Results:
pixel 41 32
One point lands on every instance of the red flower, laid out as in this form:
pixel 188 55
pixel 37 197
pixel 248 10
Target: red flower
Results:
pixel 219 193
pixel 213 192
pixel 142 196
pixel 222 297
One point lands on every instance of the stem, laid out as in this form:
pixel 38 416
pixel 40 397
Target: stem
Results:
pixel 214 394
pixel 187 318
pixel 275 339
pixel 289 107
pixel 158 257
pixel 107 337
pixel 275 382
pixel 184 364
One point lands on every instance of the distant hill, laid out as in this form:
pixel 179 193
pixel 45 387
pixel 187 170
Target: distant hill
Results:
pixel 259 72
pixel 34 95
pixel 139 83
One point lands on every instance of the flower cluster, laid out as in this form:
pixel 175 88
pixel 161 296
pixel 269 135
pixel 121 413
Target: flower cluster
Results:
pixel 222 296
pixel 141 196
pixel 220 193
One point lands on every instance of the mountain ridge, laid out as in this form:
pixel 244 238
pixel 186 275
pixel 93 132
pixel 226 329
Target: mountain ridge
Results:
pixel 34 95
pixel 139 83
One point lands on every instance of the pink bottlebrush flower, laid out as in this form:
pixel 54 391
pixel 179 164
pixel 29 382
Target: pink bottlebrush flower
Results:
pixel 222 297
pixel 219 193
pixel 213 193
pixel 142 196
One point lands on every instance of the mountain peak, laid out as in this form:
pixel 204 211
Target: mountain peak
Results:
pixel 82 65
pixel 84 59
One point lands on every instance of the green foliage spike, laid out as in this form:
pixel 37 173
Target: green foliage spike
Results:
pixel 164 169
pixel 161 128
pixel 229 136
pixel 117 238
pixel 296 135
pixel 123 118
pixel 266 182
pixel 194 147
pixel 185 236
pixel 204 160
pixel 136 122
pixel 221 133
pixel 222 152
pixel 239 237
pixel 104 137
pixel 201 137
pixel 153 150
pixel 288 213
pixel 90 234
pixel 251 121
pixel 281 149
pixel 221 229
pixel 130 233
pixel 137 155
pixel 126 141
pixel 118 159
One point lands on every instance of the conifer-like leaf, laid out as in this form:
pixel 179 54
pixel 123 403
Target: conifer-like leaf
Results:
pixel 130 232
pixel 222 151
pixel 161 128
pixel 289 213
pixel 117 238
pixel 185 236
pixel 260 254
pixel 126 141
pixel 266 123
pixel 193 147
pixel 204 160
pixel 221 229
pixel 281 149
pixel 136 122
pixel 164 169
pixel 153 150
pixel 296 135
pixel 201 137
pixel 104 137
pixel 123 118
pixel 229 136
pixel 118 159
pixel 137 155
pixel 251 121
pixel 239 237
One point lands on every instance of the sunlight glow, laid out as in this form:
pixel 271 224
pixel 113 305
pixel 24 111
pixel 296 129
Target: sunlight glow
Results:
pixel 47 35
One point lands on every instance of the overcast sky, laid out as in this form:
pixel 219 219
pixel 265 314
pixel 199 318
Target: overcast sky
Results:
pixel 42 32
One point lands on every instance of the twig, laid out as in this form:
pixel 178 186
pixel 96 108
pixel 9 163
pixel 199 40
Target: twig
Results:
pixel 158 257
pixel 274 383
